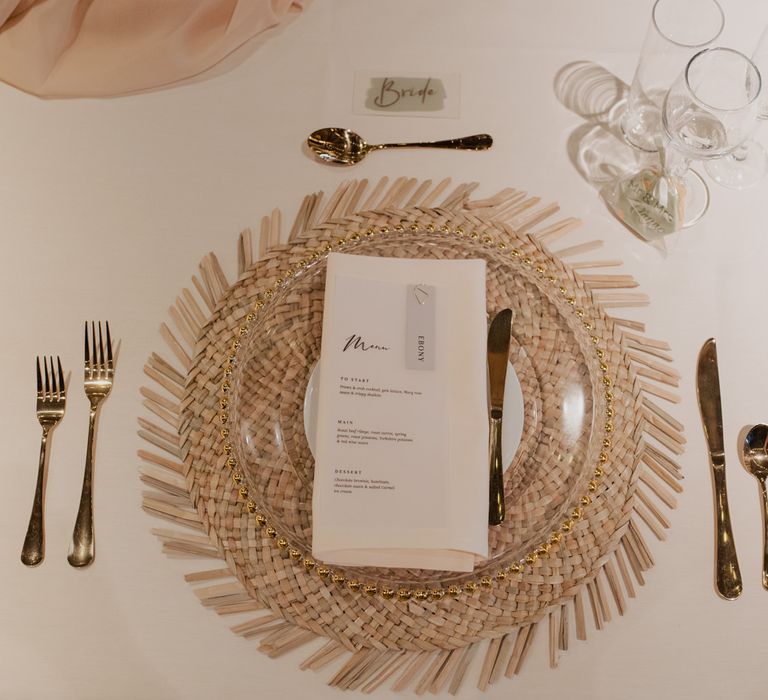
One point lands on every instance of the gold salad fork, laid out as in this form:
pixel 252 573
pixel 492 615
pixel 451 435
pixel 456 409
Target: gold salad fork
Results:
pixel 51 400
pixel 99 374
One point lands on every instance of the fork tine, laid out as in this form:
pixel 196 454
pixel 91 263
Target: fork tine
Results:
pixel 87 356
pixel 39 378
pixel 94 358
pixel 109 346
pixel 101 349
pixel 47 383
pixel 54 382
pixel 62 387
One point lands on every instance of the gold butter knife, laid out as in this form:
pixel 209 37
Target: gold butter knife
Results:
pixel 727 573
pixel 498 357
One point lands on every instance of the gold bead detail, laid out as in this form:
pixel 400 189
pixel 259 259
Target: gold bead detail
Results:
pixel 470 587
pixel 294 554
pixel 592 486
pixel 282 543
pixel 231 462
pixel 436 593
pixel 271 532
pixel 486 581
pixel 515 567
pixel 323 571
pixel 370 589
pixel 309 564
pixel 251 506
pixel 567 526
pixel 224 432
pixel 555 538
pixel 353 585
pixel 421 595
pixel 501 575
pixel 531 558
pixel 576 513
pixel 243 492
pixel 598 472
pixel 454 591
pixel 237 477
pixel 338 578
pixel 403 594
pixel 387 592
pixel 261 519
pixel 585 500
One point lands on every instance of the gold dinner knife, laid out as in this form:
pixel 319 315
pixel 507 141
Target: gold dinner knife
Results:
pixel 727 574
pixel 498 357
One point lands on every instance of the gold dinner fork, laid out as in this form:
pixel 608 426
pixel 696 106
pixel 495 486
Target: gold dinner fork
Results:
pixel 51 400
pixel 99 374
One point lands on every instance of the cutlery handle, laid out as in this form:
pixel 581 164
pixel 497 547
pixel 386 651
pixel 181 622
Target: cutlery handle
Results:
pixel 476 142
pixel 496 511
pixel 727 574
pixel 83 549
pixel 33 551
pixel 765 533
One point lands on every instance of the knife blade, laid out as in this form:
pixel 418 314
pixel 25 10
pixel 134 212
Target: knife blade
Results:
pixel 498 358
pixel 727 573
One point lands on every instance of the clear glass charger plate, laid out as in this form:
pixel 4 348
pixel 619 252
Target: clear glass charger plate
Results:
pixel 553 357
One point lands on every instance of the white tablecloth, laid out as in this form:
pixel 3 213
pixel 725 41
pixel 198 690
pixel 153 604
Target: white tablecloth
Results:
pixel 107 207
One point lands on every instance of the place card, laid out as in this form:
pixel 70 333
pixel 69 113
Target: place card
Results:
pixel 401 454
pixel 400 93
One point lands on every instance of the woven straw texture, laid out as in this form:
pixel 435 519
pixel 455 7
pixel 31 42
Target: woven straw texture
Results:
pixel 398 627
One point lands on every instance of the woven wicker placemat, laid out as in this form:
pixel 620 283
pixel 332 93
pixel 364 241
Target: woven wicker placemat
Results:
pixel 422 638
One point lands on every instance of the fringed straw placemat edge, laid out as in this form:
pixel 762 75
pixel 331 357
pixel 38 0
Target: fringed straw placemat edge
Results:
pixel 172 491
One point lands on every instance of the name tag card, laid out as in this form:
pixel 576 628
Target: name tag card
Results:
pixel 406 95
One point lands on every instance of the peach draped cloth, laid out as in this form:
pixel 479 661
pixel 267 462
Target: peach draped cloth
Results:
pixel 97 48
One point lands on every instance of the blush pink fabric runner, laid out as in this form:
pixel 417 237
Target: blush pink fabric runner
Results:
pixel 98 48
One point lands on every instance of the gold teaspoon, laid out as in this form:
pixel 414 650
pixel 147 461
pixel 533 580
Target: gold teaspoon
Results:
pixel 345 147
pixel 755 457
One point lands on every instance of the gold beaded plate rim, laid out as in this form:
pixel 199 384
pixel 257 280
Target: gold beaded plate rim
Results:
pixel 336 575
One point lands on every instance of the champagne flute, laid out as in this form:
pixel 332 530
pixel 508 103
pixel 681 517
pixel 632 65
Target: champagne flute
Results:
pixel 710 110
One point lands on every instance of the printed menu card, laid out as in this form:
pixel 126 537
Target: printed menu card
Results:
pixel 401 459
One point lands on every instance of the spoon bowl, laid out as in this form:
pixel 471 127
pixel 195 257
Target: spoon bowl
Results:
pixel 755 451
pixel 345 147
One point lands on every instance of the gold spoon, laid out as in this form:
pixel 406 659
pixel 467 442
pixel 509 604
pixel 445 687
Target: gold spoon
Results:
pixel 345 147
pixel 755 455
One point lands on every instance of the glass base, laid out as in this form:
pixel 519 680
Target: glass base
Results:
pixel 743 168
pixel 695 195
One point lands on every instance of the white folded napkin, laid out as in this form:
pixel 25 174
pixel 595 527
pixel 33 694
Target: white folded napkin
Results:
pixel 401 463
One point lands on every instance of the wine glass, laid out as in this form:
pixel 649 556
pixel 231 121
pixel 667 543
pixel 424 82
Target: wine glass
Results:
pixel 748 163
pixel 710 110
